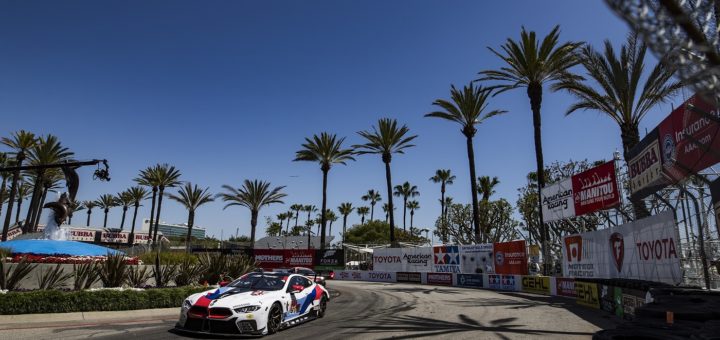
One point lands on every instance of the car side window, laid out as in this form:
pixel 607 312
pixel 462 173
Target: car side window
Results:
pixel 297 281
pixel 307 283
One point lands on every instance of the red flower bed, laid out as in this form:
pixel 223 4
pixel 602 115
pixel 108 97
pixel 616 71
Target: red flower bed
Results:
pixel 66 259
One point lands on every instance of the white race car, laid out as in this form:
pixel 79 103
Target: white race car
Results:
pixel 255 304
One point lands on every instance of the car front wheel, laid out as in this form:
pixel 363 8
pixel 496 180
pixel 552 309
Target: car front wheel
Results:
pixel 323 307
pixel 274 319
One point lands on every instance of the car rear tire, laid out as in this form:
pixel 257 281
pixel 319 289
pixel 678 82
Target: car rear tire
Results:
pixel 323 307
pixel 274 319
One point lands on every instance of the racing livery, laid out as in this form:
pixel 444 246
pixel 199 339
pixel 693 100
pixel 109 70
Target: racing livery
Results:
pixel 256 304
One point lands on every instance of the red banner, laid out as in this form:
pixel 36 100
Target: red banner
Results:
pixel 595 189
pixel 299 258
pixel 565 287
pixel 511 258
pixel 269 258
pixel 689 139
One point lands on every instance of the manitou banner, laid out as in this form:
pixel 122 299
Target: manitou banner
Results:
pixel 299 258
pixel 646 249
pixel 403 259
pixel 477 259
pixel 690 139
pixel 510 258
pixel 589 191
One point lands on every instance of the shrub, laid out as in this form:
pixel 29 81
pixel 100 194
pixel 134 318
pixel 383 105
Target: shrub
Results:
pixel 137 277
pixel 53 278
pixel 163 274
pixel 5 253
pixel 214 265
pixel 188 273
pixel 113 271
pixel 10 276
pixel 168 257
pixel 85 275
pixel 240 264
pixel 53 301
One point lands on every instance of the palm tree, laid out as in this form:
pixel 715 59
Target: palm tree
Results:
pixel 331 217
pixel 252 195
pixel 386 210
pixel 168 177
pixel 466 109
pixel 274 228
pixel 487 186
pixel 444 177
pixel 23 191
pixel 89 205
pixel 619 77
pixel 406 191
pixel 386 139
pixel 138 194
pixel 530 64
pixel 50 182
pixel 149 178
pixel 74 207
pixel 296 208
pixel 124 200
pixel 345 209
pixel 191 197
pixel 327 150
pixel 48 150
pixel 4 162
pixel 373 197
pixel 281 218
pixel 20 141
pixel 309 209
pixel 412 205
pixel 290 214
pixel 106 202
pixel 362 211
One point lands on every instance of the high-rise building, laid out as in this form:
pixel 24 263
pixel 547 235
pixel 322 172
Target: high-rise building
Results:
pixel 170 230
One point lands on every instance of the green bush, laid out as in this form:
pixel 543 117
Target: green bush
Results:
pixel 53 301
pixel 168 257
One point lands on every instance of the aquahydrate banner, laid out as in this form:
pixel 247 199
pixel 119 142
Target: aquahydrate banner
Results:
pixel 583 193
pixel 477 259
pixel 646 249
pixel 403 259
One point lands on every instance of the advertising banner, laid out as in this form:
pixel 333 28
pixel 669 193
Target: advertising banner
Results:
pixel 645 167
pixel 646 249
pixel 443 279
pixel 470 280
pixel 409 277
pixel 329 259
pixel 143 238
pixel 446 259
pixel 507 282
pixel 13 233
pixel 269 258
pixel 476 258
pixel 587 294
pixel 495 281
pixel 510 258
pixel 388 259
pixel 352 275
pixel 376 276
pixel 607 298
pixel 299 258
pixel 113 237
pixel 565 287
pixel 536 284
pixel 417 259
pixel 690 138
pixel 84 235
pixel 595 189
pixel 557 201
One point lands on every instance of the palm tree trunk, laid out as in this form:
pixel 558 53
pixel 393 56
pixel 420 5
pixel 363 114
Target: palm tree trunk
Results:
pixel 362 219
pixel 33 203
pixel 88 219
pixel 2 195
pixel 344 227
pixel 388 179
pixel 39 209
pixel 630 138
pixel 473 186
pixel 159 207
pixel 404 211
pixel 372 210
pixel 106 213
pixel 253 224
pixel 19 205
pixel 122 221
pixel 152 215
pixel 191 221
pixel 131 238
pixel 297 214
pixel 443 226
pixel 323 218
pixel 330 229
pixel 287 227
pixel 411 220
pixel 13 190
pixel 534 92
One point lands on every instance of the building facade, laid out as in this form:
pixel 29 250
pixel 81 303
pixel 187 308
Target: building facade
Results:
pixel 174 230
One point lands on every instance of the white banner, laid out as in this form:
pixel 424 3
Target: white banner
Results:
pixel 647 249
pixel 557 201
pixel 86 235
pixel 477 259
pixel 403 259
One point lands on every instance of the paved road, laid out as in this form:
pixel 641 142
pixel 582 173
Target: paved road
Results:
pixel 363 310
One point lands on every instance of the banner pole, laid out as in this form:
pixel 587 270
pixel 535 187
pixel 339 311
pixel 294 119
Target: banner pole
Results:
pixel 701 236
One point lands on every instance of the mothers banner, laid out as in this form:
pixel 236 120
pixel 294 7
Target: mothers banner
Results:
pixel 646 249
pixel 589 191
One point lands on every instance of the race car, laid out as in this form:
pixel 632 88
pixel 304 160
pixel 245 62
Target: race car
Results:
pixel 257 303
pixel 307 272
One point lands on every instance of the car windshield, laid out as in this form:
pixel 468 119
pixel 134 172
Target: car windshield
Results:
pixel 259 282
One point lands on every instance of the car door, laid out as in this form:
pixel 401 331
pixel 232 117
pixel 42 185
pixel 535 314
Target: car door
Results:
pixel 297 292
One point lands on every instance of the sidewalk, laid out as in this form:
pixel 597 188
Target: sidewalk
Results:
pixel 45 320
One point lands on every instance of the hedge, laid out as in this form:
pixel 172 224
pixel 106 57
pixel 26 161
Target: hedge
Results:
pixel 53 301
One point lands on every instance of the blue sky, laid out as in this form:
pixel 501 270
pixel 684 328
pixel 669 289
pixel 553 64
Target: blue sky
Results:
pixel 228 90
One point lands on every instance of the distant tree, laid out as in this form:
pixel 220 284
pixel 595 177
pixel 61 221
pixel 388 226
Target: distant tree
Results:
pixel 378 232
pixel 106 202
pixel 252 195
pixel 20 142
pixel 406 190
pixel 73 207
pixel 274 228
pixel 124 200
pixel 345 209
pixel 412 205
pixel 191 197
pixel 296 208
pixel 138 194
pixel 167 176
pixel 444 177
pixel 362 212
pixel 89 205
pixel 373 197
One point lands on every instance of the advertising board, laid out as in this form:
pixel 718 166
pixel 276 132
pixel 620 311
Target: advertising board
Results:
pixel 565 286
pixel 403 259
pixel 476 258
pixel 269 258
pixel 595 189
pixel 376 276
pixel 557 201
pixel 298 258
pixel 351 275
pixel 510 257
pixel 587 294
pixel 536 284
pixel 470 280
pixel 508 282
pixel 446 259
pixel 495 281
pixel 410 277
pixel 328 259
pixel 443 279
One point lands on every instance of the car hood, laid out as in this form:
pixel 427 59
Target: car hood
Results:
pixel 232 297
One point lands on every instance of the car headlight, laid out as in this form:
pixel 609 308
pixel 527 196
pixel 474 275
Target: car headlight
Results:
pixel 187 304
pixel 246 309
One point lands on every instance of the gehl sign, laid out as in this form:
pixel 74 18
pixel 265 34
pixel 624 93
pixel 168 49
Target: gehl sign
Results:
pixel 536 284
pixel 587 294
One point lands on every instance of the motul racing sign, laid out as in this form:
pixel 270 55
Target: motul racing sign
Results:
pixel 645 250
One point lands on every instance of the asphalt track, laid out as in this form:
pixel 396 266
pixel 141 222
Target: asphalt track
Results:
pixel 364 310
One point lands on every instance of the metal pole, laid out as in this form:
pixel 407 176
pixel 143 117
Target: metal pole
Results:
pixel 701 235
